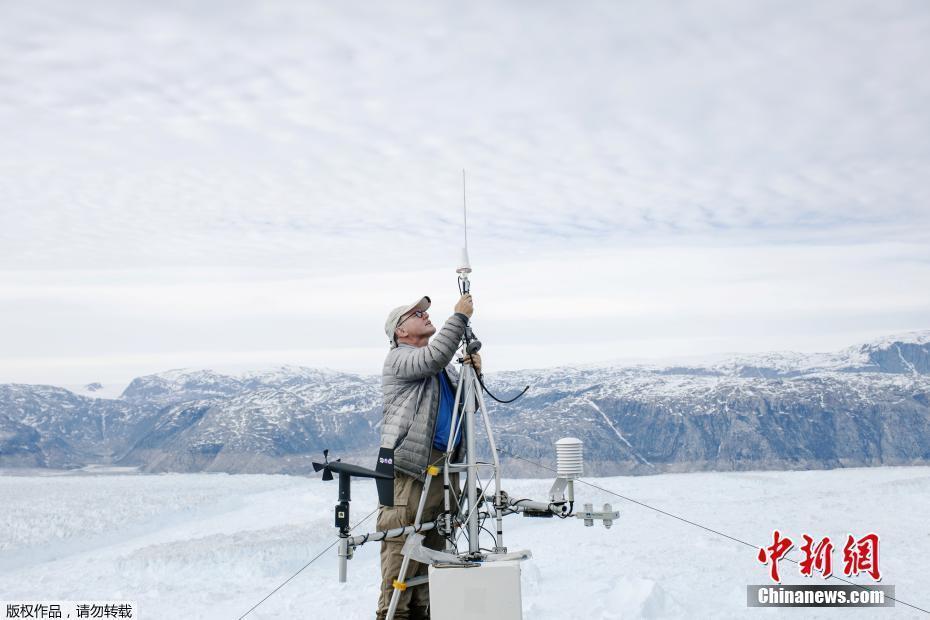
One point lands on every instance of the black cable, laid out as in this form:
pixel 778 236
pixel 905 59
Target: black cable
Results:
pixel 468 336
pixel 448 535
pixel 491 534
pixel 503 402
pixel 305 566
pixel 703 527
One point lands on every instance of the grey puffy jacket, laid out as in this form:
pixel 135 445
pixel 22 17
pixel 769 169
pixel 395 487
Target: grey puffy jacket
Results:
pixel 411 395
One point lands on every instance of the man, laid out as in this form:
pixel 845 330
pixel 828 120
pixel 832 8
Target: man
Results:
pixel 419 385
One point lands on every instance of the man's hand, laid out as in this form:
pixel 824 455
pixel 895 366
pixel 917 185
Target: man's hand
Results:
pixel 465 305
pixel 474 360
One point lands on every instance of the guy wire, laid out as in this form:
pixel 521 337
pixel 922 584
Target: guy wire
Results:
pixel 315 558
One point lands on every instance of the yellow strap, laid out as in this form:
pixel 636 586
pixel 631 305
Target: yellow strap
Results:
pixel 400 585
pixel 432 470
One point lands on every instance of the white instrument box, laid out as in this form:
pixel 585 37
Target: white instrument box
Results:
pixel 491 590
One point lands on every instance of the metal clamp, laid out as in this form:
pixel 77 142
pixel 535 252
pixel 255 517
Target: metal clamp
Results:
pixel 608 515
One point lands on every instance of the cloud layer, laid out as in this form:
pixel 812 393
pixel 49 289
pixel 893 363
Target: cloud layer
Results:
pixel 167 162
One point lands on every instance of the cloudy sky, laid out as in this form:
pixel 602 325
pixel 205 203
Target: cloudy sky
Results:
pixel 240 184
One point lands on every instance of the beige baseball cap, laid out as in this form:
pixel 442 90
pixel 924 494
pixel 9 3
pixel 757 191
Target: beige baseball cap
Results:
pixel 397 314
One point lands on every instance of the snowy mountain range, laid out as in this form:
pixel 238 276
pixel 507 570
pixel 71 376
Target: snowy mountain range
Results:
pixel 866 405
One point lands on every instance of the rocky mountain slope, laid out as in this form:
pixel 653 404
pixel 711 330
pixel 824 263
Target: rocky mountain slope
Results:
pixel 46 426
pixel 866 405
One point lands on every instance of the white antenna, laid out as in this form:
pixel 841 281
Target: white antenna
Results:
pixel 464 265
pixel 464 209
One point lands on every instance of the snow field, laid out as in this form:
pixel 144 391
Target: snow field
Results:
pixel 213 545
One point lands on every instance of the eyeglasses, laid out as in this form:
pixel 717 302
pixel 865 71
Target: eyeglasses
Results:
pixel 418 313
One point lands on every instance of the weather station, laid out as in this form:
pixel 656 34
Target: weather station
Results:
pixel 464 572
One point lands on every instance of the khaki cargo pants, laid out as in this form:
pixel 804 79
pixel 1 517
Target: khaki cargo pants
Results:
pixel 414 602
